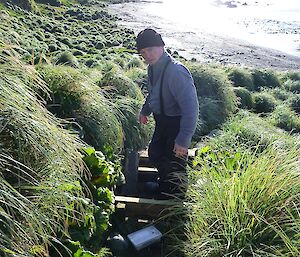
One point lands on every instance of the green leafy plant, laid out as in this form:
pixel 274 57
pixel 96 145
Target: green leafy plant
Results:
pixel 86 236
pixel 104 172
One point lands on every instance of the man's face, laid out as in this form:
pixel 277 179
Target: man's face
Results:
pixel 152 54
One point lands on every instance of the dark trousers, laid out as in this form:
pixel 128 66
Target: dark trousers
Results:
pixel 171 169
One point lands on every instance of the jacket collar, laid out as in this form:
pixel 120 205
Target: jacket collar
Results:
pixel 161 62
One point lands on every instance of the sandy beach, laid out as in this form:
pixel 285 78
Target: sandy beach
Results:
pixel 205 46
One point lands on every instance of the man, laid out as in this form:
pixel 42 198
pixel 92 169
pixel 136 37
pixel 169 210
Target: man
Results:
pixel 172 99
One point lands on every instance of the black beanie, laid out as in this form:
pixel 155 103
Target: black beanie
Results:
pixel 148 38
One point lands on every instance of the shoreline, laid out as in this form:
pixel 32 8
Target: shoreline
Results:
pixel 202 46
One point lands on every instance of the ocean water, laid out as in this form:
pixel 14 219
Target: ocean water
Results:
pixel 269 23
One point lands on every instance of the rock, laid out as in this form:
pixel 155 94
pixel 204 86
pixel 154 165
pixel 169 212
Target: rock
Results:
pixel 118 244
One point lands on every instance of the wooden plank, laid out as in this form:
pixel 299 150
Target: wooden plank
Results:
pixel 146 201
pixel 147 169
pixel 143 207
pixel 143 153
pixel 191 153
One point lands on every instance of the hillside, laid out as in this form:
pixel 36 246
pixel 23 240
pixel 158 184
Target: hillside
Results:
pixel 71 87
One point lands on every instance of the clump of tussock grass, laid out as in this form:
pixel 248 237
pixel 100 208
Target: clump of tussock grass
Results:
pixel 265 79
pixel 41 167
pixel 285 118
pixel 241 78
pixel 138 76
pixel 136 135
pixel 244 96
pixel 280 94
pixel 292 85
pixel 76 97
pixel 117 83
pixel 128 98
pixel 66 58
pixel 264 102
pixel 135 62
pixel 294 103
pixel 26 4
pixel 249 130
pixel 216 97
pixel 243 204
pixel 290 75
pixel 243 196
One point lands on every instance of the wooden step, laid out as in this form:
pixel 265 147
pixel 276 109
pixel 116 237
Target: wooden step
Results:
pixel 146 174
pixel 143 207
pixel 144 153
pixel 147 169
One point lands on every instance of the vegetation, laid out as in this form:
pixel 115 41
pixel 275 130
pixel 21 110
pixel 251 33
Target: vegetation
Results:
pixel 243 196
pixel 241 78
pixel 71 88
pixel 216 97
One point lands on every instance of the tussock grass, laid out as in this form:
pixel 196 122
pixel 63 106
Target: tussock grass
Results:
pixel 125 92
pixel 42 178
pixel 135 62
pixel 241 78
pixel 285 118
pixel 215 95
pixel 292 85
pixel 294 103
pixel 117 83
pixel 137 136
pixel 247 129
pixel 243 198
pixel 138 76
pixel 244 96
pixel 290 75
pixel 67 58
pixel 265 79
pixel 264 102
pixel 243 204
pixel 281 94
pixel 75 96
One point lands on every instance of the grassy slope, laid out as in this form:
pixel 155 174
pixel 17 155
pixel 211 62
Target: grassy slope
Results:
pixel 97 62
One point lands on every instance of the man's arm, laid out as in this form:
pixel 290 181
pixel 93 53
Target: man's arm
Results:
pixel 145 111
pixel 184 92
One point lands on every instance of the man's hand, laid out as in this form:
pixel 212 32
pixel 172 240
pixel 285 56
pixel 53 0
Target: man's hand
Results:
pixel 143 119
pixel 180 151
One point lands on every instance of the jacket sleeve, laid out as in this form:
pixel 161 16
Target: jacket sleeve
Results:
pixel 146 111
pixel 184 92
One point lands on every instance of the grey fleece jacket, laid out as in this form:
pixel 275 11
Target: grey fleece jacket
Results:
pixel 179 96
